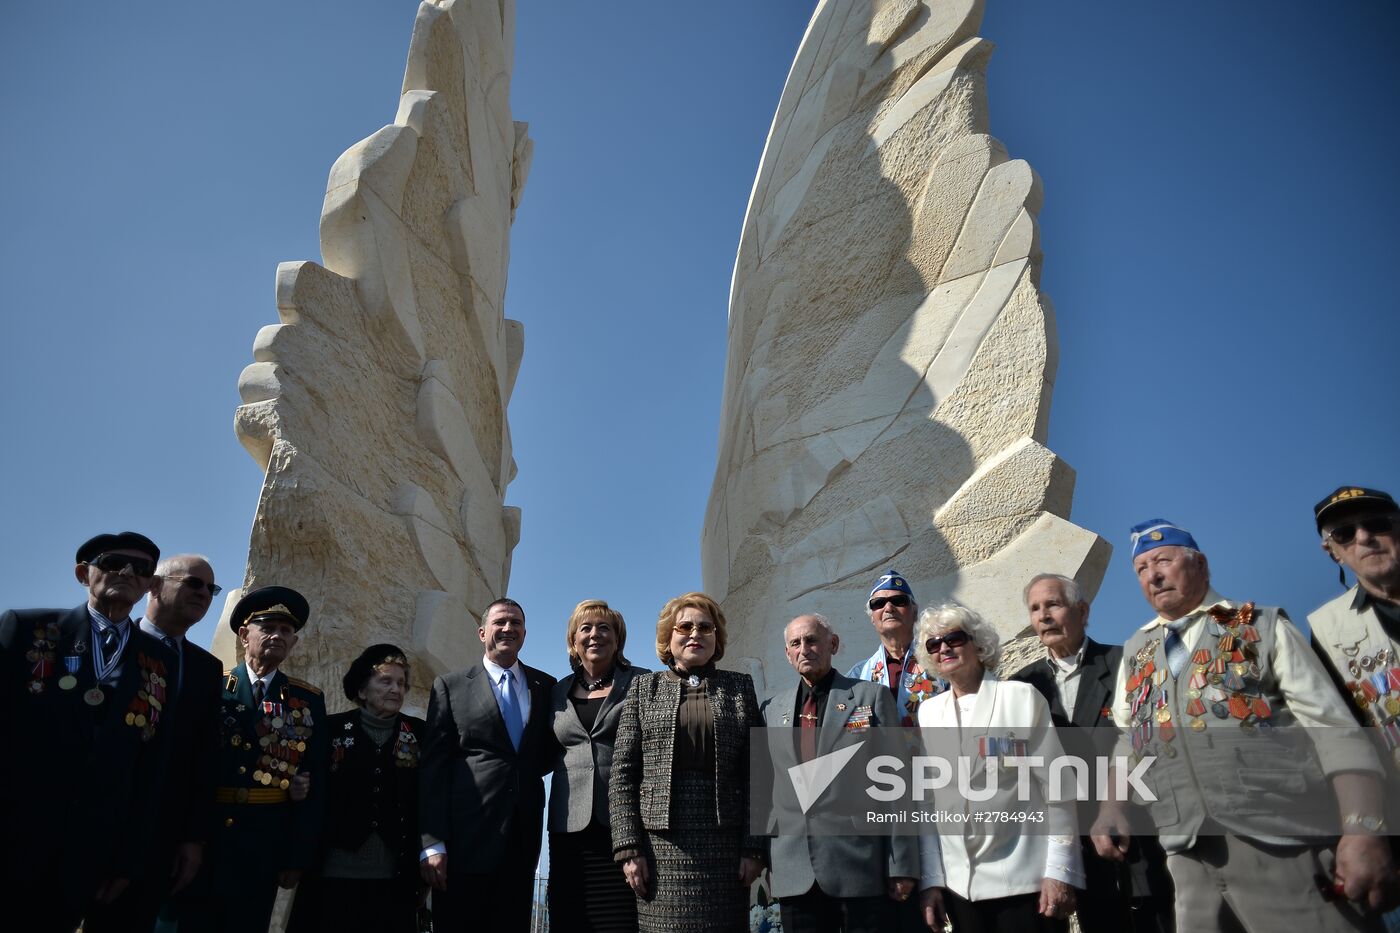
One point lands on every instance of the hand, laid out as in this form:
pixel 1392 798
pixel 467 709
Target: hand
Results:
pixel 289 878
pixel 931 900
pixel 111 889
pixel 301 787
pixel 1056 898
pixel 1365 872
pixel 749 870
pixel 188 857
pixel 899 889
pixel 1110 833
pixel 638 875
pixel 434 871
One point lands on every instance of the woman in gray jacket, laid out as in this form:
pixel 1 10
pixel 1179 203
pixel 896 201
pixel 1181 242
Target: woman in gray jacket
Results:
pixel 587 891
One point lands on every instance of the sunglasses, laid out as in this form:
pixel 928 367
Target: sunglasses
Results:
pixel 197 584
pixel 116 563
pixel 1378 525
pixel 955 639
pixel 899 601
pixel 698 628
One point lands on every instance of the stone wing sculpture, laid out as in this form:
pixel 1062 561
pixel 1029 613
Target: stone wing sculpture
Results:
pixel 377 406
pixel 890 354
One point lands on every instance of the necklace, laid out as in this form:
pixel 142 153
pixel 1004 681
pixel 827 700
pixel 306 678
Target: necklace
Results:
pixel 600 683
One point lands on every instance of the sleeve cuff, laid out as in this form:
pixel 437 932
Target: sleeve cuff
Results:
pixel 437 848
pixel 1064 861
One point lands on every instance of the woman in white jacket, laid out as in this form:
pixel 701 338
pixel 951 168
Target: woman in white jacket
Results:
pixel 991 873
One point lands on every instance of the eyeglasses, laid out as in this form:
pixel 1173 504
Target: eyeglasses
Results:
pixel 116 563
pixel 899 601
pixel 954 639
pixel 197 584
pixel 698 628
pixel 1377 525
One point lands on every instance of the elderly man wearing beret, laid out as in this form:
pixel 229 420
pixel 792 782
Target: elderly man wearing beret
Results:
pixel 892 612
pixel 82 693
pixel 1214 692
pixel 272 731
pixel 1357 634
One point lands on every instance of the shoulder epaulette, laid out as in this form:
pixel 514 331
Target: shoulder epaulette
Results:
pixel 298 682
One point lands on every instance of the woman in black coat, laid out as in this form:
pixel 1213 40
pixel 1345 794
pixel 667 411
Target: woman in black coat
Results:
pixel 367 872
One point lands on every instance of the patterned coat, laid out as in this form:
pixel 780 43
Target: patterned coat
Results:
pixel 639 790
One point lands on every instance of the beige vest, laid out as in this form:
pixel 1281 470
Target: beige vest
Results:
pixel 1228 749
pixel 1368 661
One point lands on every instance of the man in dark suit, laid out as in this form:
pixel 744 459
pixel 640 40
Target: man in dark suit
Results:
pixel 481 796
pixel 272 729
pixel 179 601
pixel 826 883
pixel 82 697
pixel 1077 678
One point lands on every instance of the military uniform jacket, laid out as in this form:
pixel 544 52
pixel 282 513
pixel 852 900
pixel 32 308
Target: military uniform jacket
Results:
pixel 261 749
pixel 79 778
pixel 844 866
pixel 1223 728
pixel 374 788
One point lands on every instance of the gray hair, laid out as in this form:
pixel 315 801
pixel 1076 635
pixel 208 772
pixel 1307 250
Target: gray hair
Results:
pixel 951 617
pixel 166 563
pixel 822 621
pixel 1074 595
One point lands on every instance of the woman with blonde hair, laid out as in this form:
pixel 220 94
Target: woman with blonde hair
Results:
pixel 679 793
pixel 587 890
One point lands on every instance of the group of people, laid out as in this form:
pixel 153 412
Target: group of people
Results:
pixel 149 788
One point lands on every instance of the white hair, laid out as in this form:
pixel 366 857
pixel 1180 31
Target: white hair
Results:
pixel 822 621
pixel 1073 594
pixel 952 617
pixel 166 563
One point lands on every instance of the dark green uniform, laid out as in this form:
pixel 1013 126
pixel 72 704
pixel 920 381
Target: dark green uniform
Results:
pixel 258 831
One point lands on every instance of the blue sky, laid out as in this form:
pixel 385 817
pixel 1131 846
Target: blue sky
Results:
pixel 1218 232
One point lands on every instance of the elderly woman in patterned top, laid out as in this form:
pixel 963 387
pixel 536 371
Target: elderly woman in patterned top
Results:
pixel 367 872
pixel 679 791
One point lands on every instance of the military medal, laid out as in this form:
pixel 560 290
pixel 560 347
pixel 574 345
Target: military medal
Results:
pixel 94 697
pixel 71 663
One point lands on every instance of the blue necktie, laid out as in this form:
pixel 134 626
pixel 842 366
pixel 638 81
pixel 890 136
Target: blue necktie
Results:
pixel 1176 648
pixel 510 710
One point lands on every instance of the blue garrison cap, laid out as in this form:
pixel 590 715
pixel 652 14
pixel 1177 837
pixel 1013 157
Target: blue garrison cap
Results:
pixel 1158 532
pixel 891 580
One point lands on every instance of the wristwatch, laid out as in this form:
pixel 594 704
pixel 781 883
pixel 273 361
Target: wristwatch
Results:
pixel 1367 823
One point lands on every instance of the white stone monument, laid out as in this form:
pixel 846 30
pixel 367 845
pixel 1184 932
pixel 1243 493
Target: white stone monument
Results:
pixel 890 354
pixel 377 406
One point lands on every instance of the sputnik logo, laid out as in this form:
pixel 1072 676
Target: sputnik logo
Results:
pixel 811 778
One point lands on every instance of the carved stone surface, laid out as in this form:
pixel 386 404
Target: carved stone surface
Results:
pixel 890 354
pixel 377 406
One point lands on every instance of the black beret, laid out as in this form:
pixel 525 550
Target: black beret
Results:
pixel 271 601
pixel 363 667
pixel 121 541
pixel 1346 498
